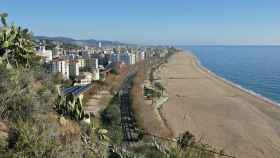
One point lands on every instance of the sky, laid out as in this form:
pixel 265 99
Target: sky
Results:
pixel 172 22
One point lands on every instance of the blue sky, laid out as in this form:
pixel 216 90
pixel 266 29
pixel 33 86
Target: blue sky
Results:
pixel 181 22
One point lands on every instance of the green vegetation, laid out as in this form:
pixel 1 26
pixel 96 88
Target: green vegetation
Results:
pixel 40 122
pixel 59 80
pixel 70 105
pixel 149 151
pixel 111 120
pixel 114 71
pixel 16 45
pixel 50 45
pixel 151 93
pixel 27 101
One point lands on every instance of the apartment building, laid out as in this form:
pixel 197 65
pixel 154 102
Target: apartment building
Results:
pixel 61 66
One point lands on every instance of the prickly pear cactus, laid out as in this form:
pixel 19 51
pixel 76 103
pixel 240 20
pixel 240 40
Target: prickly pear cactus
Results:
pixel 70 105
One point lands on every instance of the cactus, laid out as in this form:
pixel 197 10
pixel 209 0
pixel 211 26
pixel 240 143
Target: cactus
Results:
pixel 70 105
pixel 16 44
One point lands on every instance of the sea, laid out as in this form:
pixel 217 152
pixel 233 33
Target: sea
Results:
pixel 254 68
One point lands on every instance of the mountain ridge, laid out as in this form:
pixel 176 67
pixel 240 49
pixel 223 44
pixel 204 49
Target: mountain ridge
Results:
pixel 81 42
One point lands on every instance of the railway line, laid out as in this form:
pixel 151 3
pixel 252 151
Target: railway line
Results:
pixel 128 121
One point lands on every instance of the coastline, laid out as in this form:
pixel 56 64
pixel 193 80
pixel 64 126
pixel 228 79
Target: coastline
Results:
pixel 218 111
pixel 235 85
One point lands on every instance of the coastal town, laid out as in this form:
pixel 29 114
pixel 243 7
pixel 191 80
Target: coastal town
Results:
pixel 141 79
pixel 81 97
pixel 88 64
pixel 83 68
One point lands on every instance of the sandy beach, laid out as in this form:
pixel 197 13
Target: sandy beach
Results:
pixel 242 124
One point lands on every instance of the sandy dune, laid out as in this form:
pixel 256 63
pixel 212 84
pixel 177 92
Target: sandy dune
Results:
pixel 221 114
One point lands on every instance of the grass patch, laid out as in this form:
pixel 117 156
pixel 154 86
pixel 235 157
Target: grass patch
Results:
pixel 111 120
pixel 149 151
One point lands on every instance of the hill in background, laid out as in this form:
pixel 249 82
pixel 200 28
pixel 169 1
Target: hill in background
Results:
pixel 88 42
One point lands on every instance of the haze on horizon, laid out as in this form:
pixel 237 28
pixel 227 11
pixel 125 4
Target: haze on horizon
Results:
pixel 176 22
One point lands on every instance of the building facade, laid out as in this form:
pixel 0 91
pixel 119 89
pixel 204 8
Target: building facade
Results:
pixel 115 58
pixel 128 58
pixel 61 66
pixel 45 54
pixel 81 62
pixel 74 68
pixel 92 63
pixel 95 75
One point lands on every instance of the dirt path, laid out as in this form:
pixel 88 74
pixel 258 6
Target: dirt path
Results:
pixel 98 102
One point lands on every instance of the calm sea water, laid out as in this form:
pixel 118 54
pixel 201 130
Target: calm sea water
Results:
pixel 256 68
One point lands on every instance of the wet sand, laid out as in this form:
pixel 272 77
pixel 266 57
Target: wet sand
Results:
pixel 223 115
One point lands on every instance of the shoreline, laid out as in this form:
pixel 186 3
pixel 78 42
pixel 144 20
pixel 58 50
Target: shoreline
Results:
pixel 234 85
pixel 219 112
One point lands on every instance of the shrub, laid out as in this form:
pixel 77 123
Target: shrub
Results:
pixel 114 71
pixel 149 151
pixel 111 120
pixel 33 139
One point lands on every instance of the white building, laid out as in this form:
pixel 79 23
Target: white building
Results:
pixel 84 78
pixel 58 51
pixel 86 48
pixel 61 66
pixel 45 54
pixel 163 53
pixel 95 75
pixel 92 63
pixel 81 62
pixel 142 55
pixel 100 45
pixel 128 58
pixel 115 58
pixel 74 68
pixel 132 58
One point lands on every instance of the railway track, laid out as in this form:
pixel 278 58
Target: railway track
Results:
pixel 128 121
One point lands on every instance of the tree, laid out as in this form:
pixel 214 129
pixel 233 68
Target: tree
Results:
pixel 114 71
pixel 16 44
pixel 186 139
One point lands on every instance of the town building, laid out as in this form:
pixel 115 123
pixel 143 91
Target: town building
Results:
pixel 102 59
pixel 45 54
pixel 92 63
pixel 128 58
pixel 61 66
pixel 95 75
pixel 57 51
pixel 142 55
pixel 99 45
pixel 81 62
pixel 74 68
pixel 115 58
pixel 84 78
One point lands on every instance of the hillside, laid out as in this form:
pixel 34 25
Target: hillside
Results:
pixel 88 42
